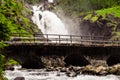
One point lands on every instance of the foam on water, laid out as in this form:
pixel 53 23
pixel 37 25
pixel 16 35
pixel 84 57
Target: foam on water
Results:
pixel 41 74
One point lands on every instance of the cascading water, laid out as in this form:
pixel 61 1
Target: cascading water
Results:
pixel 41 74
pixel 48 22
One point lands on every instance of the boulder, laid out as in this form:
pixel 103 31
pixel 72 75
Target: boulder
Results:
pixel 76 60
pixel 19 78
pixel 115 69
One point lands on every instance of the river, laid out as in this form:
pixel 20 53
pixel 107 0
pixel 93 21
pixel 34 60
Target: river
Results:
pixel 42 74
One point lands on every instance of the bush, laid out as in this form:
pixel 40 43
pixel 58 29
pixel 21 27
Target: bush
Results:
pixel 12 62
pixel 2 60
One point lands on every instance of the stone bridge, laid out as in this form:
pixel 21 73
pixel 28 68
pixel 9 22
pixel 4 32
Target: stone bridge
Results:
pixel 62 50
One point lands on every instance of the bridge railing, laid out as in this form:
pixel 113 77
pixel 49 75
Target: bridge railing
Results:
pixel 64 39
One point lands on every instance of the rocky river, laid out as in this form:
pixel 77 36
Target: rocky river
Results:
pixel 59 73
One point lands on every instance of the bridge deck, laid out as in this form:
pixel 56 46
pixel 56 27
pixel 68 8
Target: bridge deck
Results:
pixel 64 40
pixel 63 44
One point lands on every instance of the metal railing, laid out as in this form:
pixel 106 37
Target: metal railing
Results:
pixel 64 39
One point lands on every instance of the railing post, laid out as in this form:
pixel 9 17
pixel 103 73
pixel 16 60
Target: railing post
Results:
pixel 47 37
pixel 59 39
pixel 91 37
pixel 80 39
pixel 34 37
pixel 71 39
pixel 90 43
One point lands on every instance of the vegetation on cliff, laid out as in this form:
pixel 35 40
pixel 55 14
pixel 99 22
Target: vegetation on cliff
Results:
pixel 78 6
pixel 2 58
pixel 14 18
pixel 1 66
pixel 107 18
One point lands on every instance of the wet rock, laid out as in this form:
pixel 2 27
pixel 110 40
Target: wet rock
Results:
pixel 58 74
pixel 103 72
pixel 19 78
pixel 64 69
pixel 89 69
pixel 99 70
pixel 68 72
pixel 71 68
pixel 73 71
pixel 76 60
pixel 115 69
pixel 71 74
pixel 9 67
pixel 112 70
pixel 50 69
pixel 58 68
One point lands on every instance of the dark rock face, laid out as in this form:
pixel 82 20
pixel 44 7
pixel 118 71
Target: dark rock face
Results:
pixel 76 60
pixel 19 78
pixel 113 59
pixel 100 27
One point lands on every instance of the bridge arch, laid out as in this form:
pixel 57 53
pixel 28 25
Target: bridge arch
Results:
pixel 113 59
pixel 76 60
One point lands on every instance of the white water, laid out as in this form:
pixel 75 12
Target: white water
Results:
pixel 50 23
pixel 41 74
pixel 50 1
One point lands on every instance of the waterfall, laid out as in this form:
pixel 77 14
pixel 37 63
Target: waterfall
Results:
pixel 48 22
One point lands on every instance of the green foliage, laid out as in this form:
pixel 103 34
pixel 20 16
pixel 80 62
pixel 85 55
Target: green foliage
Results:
pixel 2 45
pixel 1 66
pixel 114 11
pixel 12 62
pixel 116 36
pixel 2 58
pixel 1 62
pixel 14 19
pixel 70 6
pixel 4 27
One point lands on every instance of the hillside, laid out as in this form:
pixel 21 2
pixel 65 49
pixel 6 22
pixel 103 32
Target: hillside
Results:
pixel 105 21
pixel 14 18
pixel 96 18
